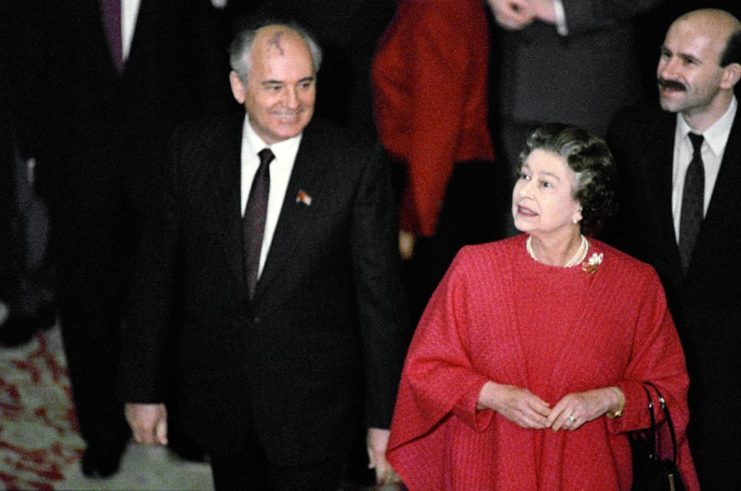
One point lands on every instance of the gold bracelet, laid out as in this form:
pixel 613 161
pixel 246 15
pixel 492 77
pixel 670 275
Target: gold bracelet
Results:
pixel 621 403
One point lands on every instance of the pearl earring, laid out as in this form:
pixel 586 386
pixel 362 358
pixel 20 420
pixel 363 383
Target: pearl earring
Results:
pixel 575 220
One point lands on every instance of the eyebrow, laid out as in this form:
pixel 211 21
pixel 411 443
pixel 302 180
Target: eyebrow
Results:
pixel 684 56
pixel 281 82
pixel 551 174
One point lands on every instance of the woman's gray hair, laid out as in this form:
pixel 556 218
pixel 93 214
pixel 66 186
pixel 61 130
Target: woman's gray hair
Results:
pixel 240 50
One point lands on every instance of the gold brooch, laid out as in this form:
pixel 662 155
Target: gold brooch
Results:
pixel 591 265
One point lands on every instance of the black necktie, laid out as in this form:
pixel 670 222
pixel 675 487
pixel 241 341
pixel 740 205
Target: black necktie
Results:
pixel 112 22
pixel 254 219
pixel 693 198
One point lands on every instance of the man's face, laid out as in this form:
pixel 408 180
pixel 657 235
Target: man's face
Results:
pixel 689 74
pixel 280 91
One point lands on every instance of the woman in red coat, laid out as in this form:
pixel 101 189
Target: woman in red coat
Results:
pixel 526 370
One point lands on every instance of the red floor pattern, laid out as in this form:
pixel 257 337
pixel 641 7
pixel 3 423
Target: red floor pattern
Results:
pixel 38 434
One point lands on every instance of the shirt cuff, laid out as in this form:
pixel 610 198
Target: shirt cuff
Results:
pixel 560 18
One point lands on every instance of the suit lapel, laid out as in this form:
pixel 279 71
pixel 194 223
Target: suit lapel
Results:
pixel 296 217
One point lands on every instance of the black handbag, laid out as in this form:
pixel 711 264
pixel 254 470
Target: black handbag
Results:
pixel 650 471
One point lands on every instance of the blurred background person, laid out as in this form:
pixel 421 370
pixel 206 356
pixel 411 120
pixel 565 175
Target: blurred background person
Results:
pixel 526 369
pixel 105 83
pixel 430 79
pixel 679 209
pixel 566 61
pixel 26 273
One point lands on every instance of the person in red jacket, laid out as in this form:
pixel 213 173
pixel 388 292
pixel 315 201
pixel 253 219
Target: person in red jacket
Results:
pixel 526 371
pixel 429 76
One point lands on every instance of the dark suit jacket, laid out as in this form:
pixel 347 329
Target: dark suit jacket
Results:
pixel 706 304
pixel 87 120
pixel 325 325
pixel 580 79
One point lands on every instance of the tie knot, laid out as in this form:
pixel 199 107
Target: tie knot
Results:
pixel 696 141
pixel 266 156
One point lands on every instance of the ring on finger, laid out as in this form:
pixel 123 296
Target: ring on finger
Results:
pixel 572 419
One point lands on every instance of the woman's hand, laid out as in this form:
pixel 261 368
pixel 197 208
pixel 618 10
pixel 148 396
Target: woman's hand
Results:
pixel 575 409
pixel 518 405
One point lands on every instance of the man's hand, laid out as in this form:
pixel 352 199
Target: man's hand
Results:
pixel 512 15
pixel 377 441
pixel 544 10
pixel 407 240
pixel 148 422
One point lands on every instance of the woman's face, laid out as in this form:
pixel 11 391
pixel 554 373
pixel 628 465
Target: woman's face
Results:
pixel 543 198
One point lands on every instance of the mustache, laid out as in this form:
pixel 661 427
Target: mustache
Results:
pixel 671 84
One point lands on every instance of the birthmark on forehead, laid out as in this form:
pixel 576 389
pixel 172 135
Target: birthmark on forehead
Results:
pixel 275 42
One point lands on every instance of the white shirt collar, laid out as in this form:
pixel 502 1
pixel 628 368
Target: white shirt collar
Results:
pixel 716 136
pixel 284 151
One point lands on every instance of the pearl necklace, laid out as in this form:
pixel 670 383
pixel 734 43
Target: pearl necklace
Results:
pixel 578 256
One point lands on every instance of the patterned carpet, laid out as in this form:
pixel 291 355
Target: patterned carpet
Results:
pixel 38 435
pixel 39 444
pixel 40 448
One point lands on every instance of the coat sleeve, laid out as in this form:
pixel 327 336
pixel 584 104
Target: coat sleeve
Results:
pixel 149 313
pixel 584 16
pixel 423 74
pixel 381 303
pixel 657 357
pixel 439 379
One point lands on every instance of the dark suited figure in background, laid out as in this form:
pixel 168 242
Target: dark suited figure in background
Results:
pixel 280 346
pixel 8 267
pixel 26 274
pixel 655 150
pixel 26 277
pixel 110 87
pixel 566 61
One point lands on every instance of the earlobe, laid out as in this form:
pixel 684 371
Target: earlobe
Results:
pixel 238 90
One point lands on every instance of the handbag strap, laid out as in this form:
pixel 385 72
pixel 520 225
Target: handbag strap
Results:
pixel 667 417
pixel 651 435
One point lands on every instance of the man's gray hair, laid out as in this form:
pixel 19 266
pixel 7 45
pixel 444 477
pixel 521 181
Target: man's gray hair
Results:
pixel 240 50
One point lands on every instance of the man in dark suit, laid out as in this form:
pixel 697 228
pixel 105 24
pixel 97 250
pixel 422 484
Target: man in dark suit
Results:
pixel 566 61
pixel 665 158
pixel 107 87
pixel 271 371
